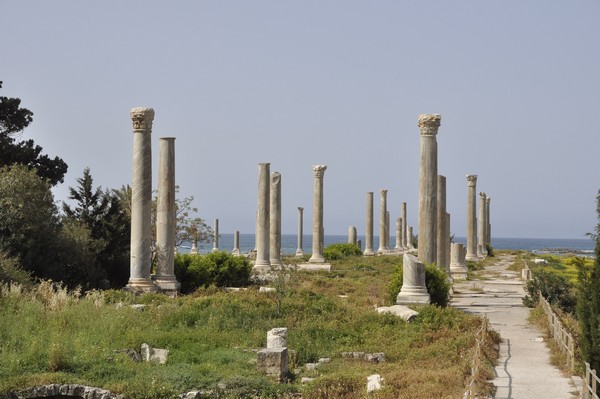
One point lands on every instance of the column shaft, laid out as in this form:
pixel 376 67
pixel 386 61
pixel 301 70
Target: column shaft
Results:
pixel 318 232
pixel 275 229
pixel 369 227
pixel 262 217
pixel 471 218
pixel 300 250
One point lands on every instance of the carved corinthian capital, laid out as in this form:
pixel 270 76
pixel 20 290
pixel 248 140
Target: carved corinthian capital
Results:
pixel 142 118
pixel 319 170
pixel 471 180
pixel 429 124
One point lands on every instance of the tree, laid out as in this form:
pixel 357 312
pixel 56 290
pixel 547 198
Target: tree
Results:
pixel 588 303
pixel 13 119
pixel 29 222
pixel 102 214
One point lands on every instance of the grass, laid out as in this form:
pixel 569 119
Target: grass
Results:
pixel 49 335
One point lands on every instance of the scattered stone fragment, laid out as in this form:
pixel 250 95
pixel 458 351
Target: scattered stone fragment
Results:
pixel 374 382
pixel 324 360
pixel 311 366
pixel 399 310
pixel 267 289
pixel 306 380
pixel 154 355
pixel 277 337
pixel 378 357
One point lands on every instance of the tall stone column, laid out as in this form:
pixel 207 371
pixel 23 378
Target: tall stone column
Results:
pixel 404 223
pixel 387 231
pixel 488 235
pixel 165 217
pixel 318 232
pixel 448 244
pixel 471 218
pixel 352 235
pixel 398 246
pixel 276 219
pixel 369 227
pixel 262 217
pixel 382 221
pixel 481 227
pixel 410 238
pixel 441 236
pixel 236 244
pixel 141 202
pixel 299 250
pixel 216 236
pixel 429 125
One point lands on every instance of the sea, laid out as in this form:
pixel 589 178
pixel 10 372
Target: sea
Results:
pixel 289 244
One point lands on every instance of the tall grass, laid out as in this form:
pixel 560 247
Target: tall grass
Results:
pixel 49 335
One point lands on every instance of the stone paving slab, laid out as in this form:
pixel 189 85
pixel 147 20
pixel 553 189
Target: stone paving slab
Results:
pixel 523 370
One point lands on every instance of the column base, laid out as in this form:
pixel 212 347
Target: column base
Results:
pixel 141 285
pixel 299 253
pixel 413 297
pixel 369 252
pixel 472 258
pixel 166 283
pixel 316 259
pixel 236 252
pixel 458 272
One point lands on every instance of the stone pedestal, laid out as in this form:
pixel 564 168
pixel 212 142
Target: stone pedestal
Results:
pixel 275 228
pixel 299 250
pixel 236 244
pixel 318 232
pixel 263 218
pixel 369 227
pixel 471 218
pixel 141 202
pixel 414 290
pixel 428 124
pixel 457 269
pixel 273 362
pixel 165 217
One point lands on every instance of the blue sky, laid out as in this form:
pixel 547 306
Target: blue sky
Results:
pixel 339 83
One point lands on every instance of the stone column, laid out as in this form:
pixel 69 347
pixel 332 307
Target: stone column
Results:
pixel 428 124
pixel 318 232
pixel 216 236
pixel 410 238
pixel 414 290
pixel 236 244
pixel 299 250
pixel 441 235
pixel 369 227
pixel 382 221
pixel 457 267
pixel 398 246
pixel 481 227
pixel 262 219
pixel 404 223
pixel 276 220
pixel 488 235
pixel 165 217
pixel 448 244
pixel 141 202
pixel 352 235
pixel 387 231
pixel 471 218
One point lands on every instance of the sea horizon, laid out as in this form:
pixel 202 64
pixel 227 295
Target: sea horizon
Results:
pixel 289 243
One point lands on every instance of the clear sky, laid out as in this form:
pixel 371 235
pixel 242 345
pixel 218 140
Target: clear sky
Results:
pixel 340 83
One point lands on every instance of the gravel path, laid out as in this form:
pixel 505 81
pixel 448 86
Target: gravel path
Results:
pixel 523 370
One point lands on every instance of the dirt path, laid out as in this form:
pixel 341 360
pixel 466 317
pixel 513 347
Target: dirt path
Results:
pixel 523 370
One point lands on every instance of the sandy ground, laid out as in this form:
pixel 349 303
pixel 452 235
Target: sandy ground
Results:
pixel 523 370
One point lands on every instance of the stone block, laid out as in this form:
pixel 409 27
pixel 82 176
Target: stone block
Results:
pixel 154 355
pixel 277 337
pixel 399 310
pixel 374 382
pixel 273 362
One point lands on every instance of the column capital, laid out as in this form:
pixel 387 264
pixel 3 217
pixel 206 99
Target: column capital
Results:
pixel 482 196
pixel 471 180
pixel 319 170
pixel 275 177
pixel 383 192
pixel 488 200
pixel 300 208
pixel 142 118
pixel 429 124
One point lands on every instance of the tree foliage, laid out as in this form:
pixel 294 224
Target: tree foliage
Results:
pixel 107 223
pixel 13 119
pixel 588 303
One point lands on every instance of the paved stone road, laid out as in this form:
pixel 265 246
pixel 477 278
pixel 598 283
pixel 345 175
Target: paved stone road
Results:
pixel 523 370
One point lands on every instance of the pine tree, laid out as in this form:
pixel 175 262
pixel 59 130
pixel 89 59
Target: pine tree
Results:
pixel 588 303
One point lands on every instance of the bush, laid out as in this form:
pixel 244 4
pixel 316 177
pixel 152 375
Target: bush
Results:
pixel 340 251
pixel 436 281
pixel 217 268
pixel 556 289
pixel 490 250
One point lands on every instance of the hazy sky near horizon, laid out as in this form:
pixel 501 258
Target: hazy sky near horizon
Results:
pixel 340 83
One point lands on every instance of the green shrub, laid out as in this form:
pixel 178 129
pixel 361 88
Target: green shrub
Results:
pixel 340 251
pixel 555 288
pixel 436 281
pixel 490 250
pixel 217 268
